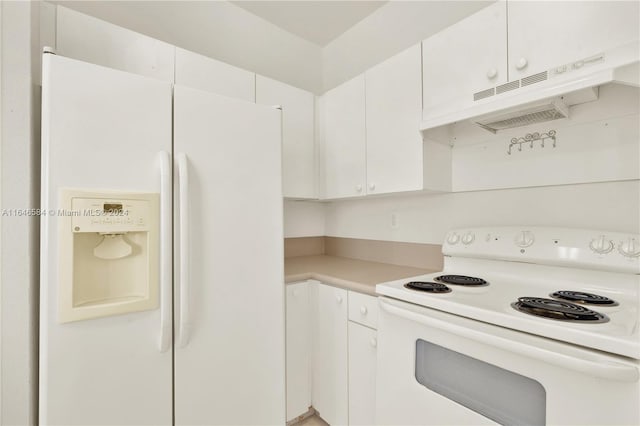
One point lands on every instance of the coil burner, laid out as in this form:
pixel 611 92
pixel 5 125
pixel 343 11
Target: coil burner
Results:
pixel 583 298
pixel 461 280
pixel 558 310
pixel 428 287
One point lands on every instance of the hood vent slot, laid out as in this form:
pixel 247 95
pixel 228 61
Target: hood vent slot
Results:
pixel 536 78
pixel 483 94
pixel 507 86
pixel 512 85
pixel 536 113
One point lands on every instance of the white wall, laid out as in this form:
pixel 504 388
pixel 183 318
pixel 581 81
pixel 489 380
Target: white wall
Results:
pixel 89 39
pixel 304 219
pixel 219 30
pixel 613 206
pixel 387 31
pixel 19 180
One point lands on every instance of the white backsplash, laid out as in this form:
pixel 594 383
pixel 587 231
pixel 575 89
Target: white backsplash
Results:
pixel 425 218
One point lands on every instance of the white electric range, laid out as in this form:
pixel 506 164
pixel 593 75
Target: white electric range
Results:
pixel 524 325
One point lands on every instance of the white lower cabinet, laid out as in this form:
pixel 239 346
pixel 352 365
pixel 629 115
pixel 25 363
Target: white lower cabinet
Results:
pixel 362 374
pixel 329 392
pixel 298 350
pixel 331 353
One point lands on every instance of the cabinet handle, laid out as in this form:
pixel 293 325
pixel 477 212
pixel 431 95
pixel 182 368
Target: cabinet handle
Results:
pixel 373 342
pixel 492 73
pixel 363 310
pixel 338 298
pixel 358 188
pixel 372 186
pixel 522 63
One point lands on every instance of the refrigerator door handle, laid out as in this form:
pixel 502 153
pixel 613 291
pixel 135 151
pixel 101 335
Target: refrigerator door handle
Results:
pixel 185 322
pixel 165 251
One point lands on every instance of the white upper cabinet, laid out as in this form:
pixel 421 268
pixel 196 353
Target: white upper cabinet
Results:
pixel 394 153
pixel 507 41
pixel 92 40
pixel 344 139
pixel 466 57
pixel 200 72
pixel 546 34
pixel 371 140
pixel 299 171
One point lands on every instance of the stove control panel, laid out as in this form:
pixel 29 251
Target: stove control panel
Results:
pixel 630 247
pixel 468 238
pixel 453 238
pixel 600 250
pixel 524 239
pixel 601 245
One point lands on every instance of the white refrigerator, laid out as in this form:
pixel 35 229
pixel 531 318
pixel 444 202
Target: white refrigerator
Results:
pixel 162 288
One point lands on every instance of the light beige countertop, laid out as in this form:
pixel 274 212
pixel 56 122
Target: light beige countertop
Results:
pixel 351 274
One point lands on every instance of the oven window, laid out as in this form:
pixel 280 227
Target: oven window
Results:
pixel 501 395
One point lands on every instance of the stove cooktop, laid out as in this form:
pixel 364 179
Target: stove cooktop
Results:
pixel 574 285
pixel 582 312
pixel 564 305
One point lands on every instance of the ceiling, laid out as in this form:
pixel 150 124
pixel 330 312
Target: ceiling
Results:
pixel 319 22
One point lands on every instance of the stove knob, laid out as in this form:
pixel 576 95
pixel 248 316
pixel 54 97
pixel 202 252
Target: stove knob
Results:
pixel 453 238
pixel 629 248
pixel 601 245
pixel 524 239
pixel 468 238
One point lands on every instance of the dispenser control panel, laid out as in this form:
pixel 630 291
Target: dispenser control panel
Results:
pixel 108 262
pixel 107 215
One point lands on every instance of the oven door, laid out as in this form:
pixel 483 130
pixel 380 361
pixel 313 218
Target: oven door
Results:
pixel 436 368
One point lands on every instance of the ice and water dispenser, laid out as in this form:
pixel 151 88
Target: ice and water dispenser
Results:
pixel 108 253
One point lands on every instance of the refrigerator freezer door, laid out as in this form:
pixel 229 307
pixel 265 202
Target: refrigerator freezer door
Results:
pixel 231 370
pixel 101 130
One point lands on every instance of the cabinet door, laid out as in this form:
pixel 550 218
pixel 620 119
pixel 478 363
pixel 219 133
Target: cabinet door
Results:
pixel 229 357
pixel 200 72
pixel 465 58
pixel 544 35
pixel 362 374
pixel 299 172
pixel 394 107
pixel 298 350
pixel 330 346
pixel 344 139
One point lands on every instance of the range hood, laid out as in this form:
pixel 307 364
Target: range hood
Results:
pixel 543 96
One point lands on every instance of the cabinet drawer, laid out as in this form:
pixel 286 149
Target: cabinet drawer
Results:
pixel 363 309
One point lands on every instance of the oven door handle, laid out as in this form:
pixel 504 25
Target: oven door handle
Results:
pixel 601 366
